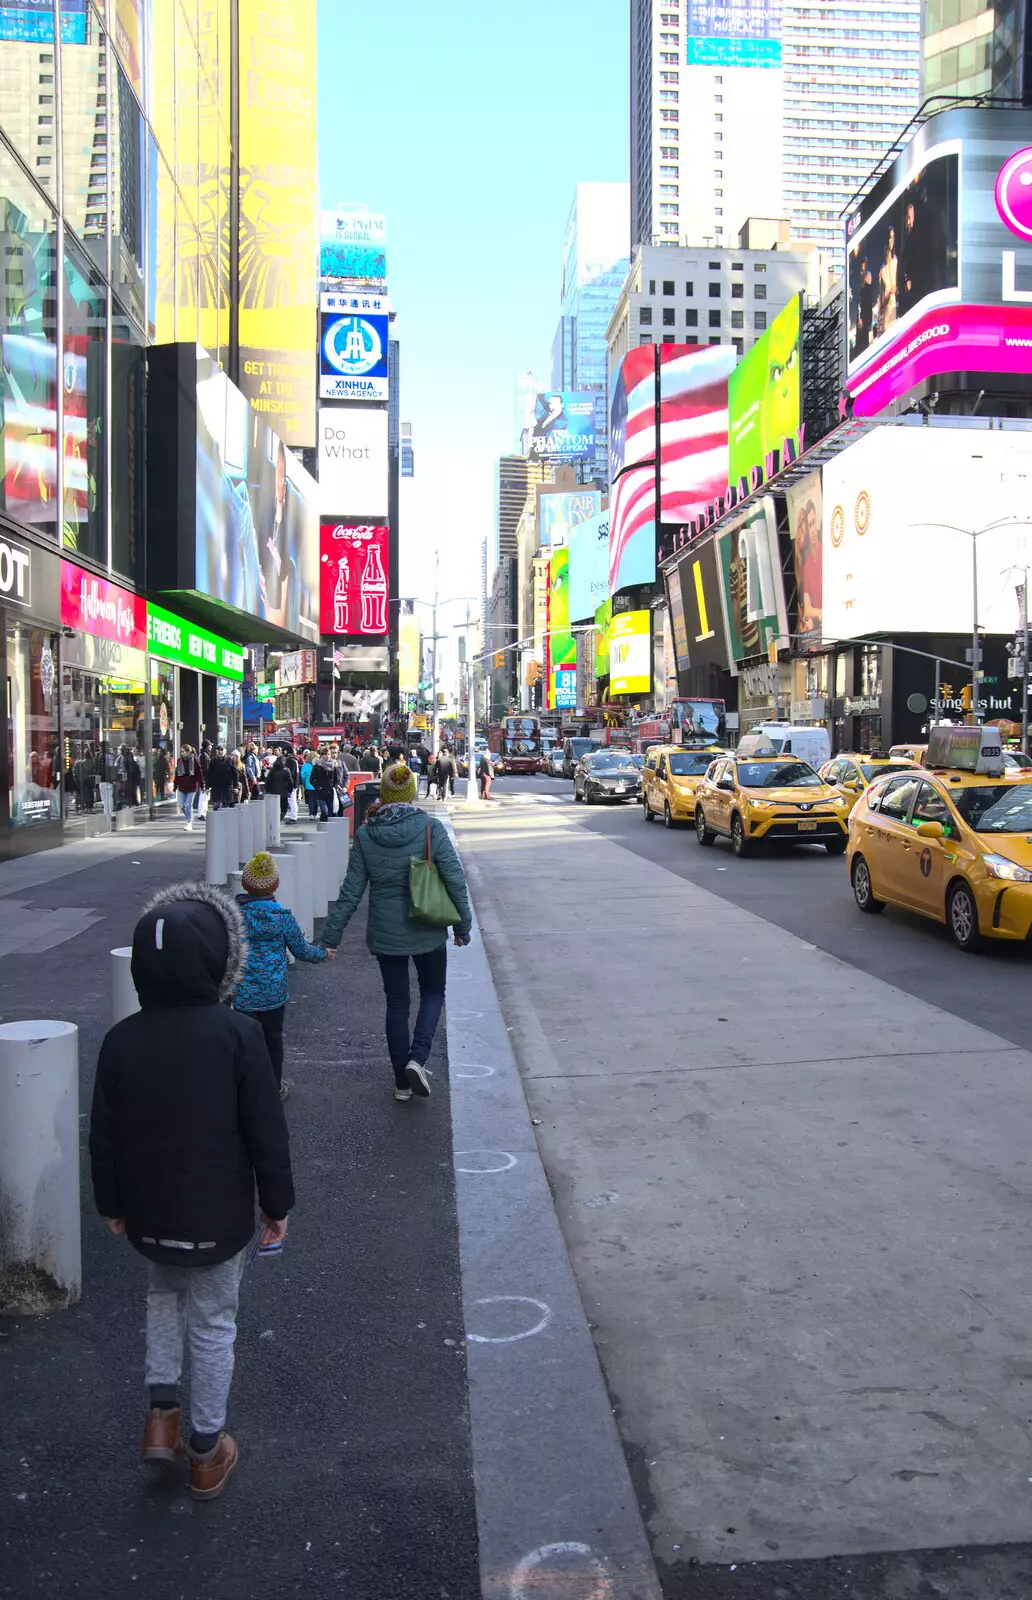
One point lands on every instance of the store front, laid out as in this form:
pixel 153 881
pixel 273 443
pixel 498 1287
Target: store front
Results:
pixel 195 678
pixel 30 598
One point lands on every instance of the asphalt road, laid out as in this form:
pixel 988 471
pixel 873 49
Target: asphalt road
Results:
pixel 806 891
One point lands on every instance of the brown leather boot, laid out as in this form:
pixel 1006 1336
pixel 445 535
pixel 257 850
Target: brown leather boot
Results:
pixel 210 1474
pixel 161 1440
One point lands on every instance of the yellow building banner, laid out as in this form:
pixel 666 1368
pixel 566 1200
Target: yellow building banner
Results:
pixel 409 651
pixel 279 217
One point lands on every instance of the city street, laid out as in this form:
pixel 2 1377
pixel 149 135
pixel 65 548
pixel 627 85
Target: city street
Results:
pixel 789 1148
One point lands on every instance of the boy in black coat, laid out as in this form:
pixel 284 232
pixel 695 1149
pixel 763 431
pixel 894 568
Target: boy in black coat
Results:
pixel 186 1123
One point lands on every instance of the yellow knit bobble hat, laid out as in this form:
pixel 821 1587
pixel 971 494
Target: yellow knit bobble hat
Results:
pixel 260 875
pixel 398 783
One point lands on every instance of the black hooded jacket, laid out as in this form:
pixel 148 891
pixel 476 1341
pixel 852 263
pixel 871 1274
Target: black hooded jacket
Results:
pixel 186 1117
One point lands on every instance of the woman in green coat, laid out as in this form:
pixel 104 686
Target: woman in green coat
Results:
pixel 380 858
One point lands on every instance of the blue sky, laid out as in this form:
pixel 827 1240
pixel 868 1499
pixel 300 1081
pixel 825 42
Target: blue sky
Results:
pixel 468 122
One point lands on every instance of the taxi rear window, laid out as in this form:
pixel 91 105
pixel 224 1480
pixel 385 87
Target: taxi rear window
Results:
pixel 776 775
pixel 995 809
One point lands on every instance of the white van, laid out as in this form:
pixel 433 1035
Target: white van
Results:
pixel 808 743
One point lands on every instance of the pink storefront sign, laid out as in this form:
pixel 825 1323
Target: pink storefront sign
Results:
pixel 96 606
pixel 962 338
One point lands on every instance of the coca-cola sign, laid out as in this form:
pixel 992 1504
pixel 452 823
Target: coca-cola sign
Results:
pixel 102 609
pixel 354 560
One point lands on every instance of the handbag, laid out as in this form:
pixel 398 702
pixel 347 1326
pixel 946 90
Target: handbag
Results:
pixel 429 900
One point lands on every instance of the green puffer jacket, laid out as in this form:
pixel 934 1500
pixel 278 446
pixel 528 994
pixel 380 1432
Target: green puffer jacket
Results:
pixel 380 858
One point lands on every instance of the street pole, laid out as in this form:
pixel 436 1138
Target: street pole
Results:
pixel 938 681
pixel 974 630
pixel 434 744
pixel 1024 670
pixel 472 792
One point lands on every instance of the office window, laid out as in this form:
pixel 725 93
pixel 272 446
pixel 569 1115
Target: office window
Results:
pixel 718 194
pixel 718 172
pixel 691 318
pixel 669 316
pixel 759 266
pixel 718 116
pixel 714 319
pixel 718 138
pixel 759 321
pixel 714 291
pixel 670 77
pixel 715 340
pixel 739 345
pixel 689 289
pixel 670 189
pixel 738 291
pixel 668 152
pixel 669 338
pixel 738 319
pixel 714 266
pixel 645 316
pixel 718 99
pixel 668 286
pixel 718 79
pixel 718 211
pixel 691 339
pixel 737 266
pixel 644 338
pixel 652 286
pixel 760 291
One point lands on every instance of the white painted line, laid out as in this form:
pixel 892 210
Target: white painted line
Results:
pixel 515 1300
pixel 475 1071
pixel 508 1160
pixel 550 1569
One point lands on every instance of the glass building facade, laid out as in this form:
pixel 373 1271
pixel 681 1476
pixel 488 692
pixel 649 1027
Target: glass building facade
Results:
pixel 976 47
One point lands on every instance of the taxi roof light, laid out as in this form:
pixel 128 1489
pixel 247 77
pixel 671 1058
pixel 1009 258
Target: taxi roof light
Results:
pixel 966 749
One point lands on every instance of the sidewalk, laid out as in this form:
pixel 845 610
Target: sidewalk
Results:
pixel 349 1401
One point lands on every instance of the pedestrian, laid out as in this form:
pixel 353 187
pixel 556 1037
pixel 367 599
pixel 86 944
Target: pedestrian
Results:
pixel 160 770
pixel 279 782
pixel 253 772
pixel 293 767
pixel 307 784
pixel 445 772
pixel 432 777
pixel 370 761
pixel 186 1123
pixel 271 931
pixel 485 774
pixel 188 781
pixel 238 790
pixel 349 760
pixel 380 858
pixel 322 777
pixel 221 777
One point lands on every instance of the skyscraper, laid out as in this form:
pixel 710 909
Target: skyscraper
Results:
pixel 595 263
pixel 525 388
pixel 763 109
pixel 972 47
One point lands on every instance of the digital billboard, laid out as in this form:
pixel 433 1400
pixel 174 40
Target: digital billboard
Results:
pixel 354 338
pixel 352 461
pixel 352 243
pixel 560 644
pixel 693 421
pixel 734 33
pixel 279 231
pixel 410 640
pixel 603 622
pixel 804 521
pixel 559 513
pixel 938 268
pixel 257 538
pixel 589 566
pixel 678 624
pixel 896 556
pixel 354 560
pixel 630 653
pixel 564 426
pixel 764 397
pixel 753 594
pixel 703 614
pixel 632 413
pixel 32 21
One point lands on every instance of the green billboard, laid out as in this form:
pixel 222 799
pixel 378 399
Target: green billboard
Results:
pixel 764 397
pixel 189 645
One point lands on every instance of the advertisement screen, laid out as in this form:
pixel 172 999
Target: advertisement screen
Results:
pixel 750 576
pixel 765 397
pixel 257 516
pixel 560 644
pixel 352 243
pixel 632 411
pixel 906 251
pixel 589 566
pixel 693 419
pixel 354 337
pixel 354 560
pixel 804 521
pixel 678 624
pixel 559 514
pixel 32 21
pixel 734 33
pixel 700 594
pixel 603 622
pixel 896 556
pixel 279 230
pixel 564 426
pixel 352 461
pixel 409 642
pixel 632 529
pixel 630 653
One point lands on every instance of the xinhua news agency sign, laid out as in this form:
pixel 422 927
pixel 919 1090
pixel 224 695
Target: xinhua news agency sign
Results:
pixel 174 639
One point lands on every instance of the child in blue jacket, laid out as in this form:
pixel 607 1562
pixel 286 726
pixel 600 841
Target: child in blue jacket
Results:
pixel 271 930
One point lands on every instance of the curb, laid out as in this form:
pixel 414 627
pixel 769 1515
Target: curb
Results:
pixel 556 1510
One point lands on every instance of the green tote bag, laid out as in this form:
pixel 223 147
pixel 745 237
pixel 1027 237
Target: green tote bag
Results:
pixel 429 899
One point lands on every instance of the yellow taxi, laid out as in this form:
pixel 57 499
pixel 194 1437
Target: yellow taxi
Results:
pixel 671 776
pixel 756 795
pixel 951 841
pixel 851 774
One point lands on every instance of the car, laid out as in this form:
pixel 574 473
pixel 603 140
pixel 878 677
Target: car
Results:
pixel 497 764
pixel 851 773
pixel 606 775
pixel 949 844
pixel 756 798
pixel 573 749
pixel 672 775
pixel 555 762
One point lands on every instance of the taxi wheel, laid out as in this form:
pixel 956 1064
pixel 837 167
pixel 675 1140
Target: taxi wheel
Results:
pixel 668 816
pixel 963 918
pixel 739 843
pixel 645 811
pixel 861 876
pixel 835 847
pixel 702 833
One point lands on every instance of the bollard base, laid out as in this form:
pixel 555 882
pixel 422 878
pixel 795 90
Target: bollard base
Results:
pixel 27 1291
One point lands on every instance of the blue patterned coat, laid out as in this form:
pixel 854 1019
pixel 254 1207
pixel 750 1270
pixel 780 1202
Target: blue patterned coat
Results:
pixel 271 930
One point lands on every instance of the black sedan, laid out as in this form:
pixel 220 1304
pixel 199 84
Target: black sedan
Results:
pixel 606 775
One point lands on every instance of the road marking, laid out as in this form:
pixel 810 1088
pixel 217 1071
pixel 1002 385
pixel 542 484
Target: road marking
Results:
pixel 508 1159
pixel 475 1070
pixel 515 1300
pixel 568 1568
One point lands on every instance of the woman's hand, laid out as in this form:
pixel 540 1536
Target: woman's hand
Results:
pixel 463 939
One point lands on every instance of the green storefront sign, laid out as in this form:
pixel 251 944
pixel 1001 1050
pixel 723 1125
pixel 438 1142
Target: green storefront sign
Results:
pixel 174 639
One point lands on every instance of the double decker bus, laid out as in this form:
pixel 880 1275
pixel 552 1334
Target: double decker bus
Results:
pixel 518 741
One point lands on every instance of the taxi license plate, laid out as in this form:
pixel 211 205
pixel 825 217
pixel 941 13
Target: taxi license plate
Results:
pixel 808 827
pixel 620 787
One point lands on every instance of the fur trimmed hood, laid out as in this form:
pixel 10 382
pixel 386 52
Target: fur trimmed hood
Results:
pixel 189 947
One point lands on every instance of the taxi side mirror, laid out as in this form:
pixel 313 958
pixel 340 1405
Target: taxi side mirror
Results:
pixel 930 830
pixel 727 784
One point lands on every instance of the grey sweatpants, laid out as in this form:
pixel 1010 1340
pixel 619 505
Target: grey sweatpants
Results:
pixel 198 1306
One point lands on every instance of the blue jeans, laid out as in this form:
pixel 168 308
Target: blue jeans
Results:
pixel 432 972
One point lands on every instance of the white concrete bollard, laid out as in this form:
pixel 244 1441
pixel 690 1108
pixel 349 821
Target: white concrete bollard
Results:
pixel 124 999
pixel 40 1248
pixel 304 856
pixel 322 886
pixel 215 864
pixel 286 866
pixel 272 821
pixel 245 833
pixel 224 824
pixel 236 883
pixel 339 835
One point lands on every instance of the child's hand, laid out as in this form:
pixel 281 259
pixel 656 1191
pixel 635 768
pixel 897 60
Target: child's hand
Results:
pixel 331 954
pixel 272 1232
pixel 117 1225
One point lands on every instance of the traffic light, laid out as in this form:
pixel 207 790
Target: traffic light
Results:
pixel 533 673
pixel 966 695
pixel 499 660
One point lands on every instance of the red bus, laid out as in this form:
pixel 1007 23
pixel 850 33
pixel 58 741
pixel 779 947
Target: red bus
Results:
pixel 518 741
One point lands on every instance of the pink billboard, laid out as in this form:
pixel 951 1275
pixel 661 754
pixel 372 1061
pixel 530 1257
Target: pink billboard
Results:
pixel 353 567
pixel 959 338
pixel 96 606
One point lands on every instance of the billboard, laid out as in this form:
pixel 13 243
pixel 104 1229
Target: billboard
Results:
pixel 632 417
pixel 279 235
pixel 897 556
pixel 764 398
pixel 804 521
pixel 630 653
pixel 603 622
pixel 354 337
pixel 564 426
pixel 589 566
pixel 678 625
pixel 175 639
pixel 938 266
pixel 102 609
pixel 410 641
pixel 352 461
pixel 700 594
pixel 352 243
pixel 354 561
pixel 257 536
pixel 32 22
pixel 734 33
pixel 559 513
pixel 752 591
pixel 560 644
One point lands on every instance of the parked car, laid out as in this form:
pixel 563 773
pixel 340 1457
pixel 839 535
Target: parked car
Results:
pixel 606 775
